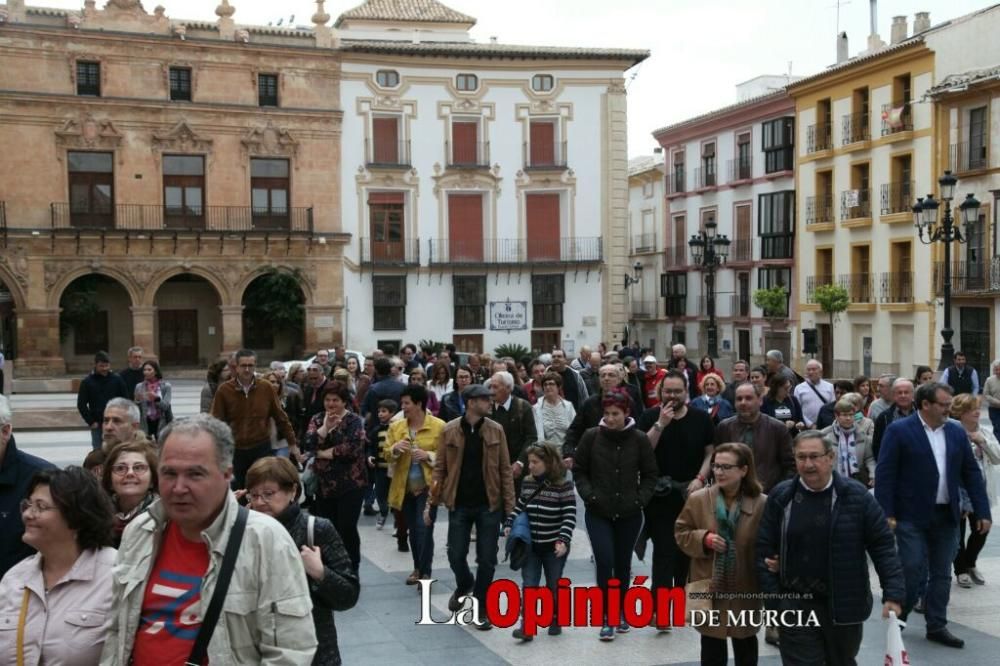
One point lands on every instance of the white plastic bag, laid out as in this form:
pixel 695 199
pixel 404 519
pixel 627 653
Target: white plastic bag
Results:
pixel 895 651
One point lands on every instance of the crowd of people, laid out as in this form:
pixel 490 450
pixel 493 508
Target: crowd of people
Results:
pixel 768 483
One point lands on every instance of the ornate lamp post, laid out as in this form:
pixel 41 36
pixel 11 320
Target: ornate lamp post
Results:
pixel 710 251
pixel 925 218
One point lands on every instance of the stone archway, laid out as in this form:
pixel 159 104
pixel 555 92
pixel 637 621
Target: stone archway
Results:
pixel 187 321
pixel 274 315
pixel 94 315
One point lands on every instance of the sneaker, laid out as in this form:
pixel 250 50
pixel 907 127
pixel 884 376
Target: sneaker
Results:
pixel 964 580
pixel 370 510
pixel 607 633
pixel 554 629
pixel 380 522
pixel 521 636
pixel 623 627
pixel 976 577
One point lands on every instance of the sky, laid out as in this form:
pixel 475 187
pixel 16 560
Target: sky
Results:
pixel 700 49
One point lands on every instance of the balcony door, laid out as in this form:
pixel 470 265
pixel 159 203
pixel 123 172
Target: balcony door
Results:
pixel 385 146
pixel 543 144
pixel 543 227
pixel 465 227
pixel 184 191
pixel 91 189
pixel 386 226
pixel 269 193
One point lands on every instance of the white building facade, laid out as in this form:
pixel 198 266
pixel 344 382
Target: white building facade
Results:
pixel 484 185
pixel 733 167
pixel 647 223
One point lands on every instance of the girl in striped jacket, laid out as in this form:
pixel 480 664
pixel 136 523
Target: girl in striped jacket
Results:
pixel 548 498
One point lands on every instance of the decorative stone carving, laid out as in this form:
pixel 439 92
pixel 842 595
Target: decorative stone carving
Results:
pixel 381 178
pixel 125 5
pixel 387 102
pixel 320 17
pixel 88 132
pixel 270 140
pixel 617 87
pixel 225 10
pixel 56 270
pixel 181 138
pixel 468 180
pixel 141 272
pixel 242 35
pixel 15 257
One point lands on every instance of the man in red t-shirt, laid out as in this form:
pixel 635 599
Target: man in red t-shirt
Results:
pixel 168 564
pixel 651 381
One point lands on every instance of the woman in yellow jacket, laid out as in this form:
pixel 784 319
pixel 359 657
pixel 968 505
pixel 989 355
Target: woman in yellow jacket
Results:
pixel 412 443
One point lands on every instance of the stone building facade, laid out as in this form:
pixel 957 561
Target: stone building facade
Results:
pixel 167 164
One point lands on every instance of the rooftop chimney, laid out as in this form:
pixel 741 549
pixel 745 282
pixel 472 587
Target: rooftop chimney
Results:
pixel 921 22
pixel 899 29
pixel 874 41
pixel 842 48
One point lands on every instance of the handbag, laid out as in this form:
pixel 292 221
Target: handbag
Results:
pixel 698 596
pixel 309 480
pixel 517 549
pixel 200 648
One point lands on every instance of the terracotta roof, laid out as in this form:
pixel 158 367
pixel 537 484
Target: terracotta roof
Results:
pixel 777 94
pixel 425 11
pixel 960 82
pixel 492 50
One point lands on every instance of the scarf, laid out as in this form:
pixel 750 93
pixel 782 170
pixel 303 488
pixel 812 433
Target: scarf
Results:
pixel 724 567
pixel 847 461
pixel 152 390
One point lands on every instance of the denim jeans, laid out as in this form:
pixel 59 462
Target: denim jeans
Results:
pixel 612 542
pixel 931 547
pixel 382 483
pixel 460 522
pixel 542 556
pixel 96 437
pixel 421 535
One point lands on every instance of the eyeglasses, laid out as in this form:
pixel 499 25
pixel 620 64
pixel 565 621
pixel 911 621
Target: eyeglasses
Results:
pixel 265 496
pixel 248 366
pixel 121 469
pixel 35 508
pixel 722 467
pixel 811 457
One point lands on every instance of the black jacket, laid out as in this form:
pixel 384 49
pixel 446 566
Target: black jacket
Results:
pixel 131 378
pixel 381 388
pixel 16 472
pixel 857 526
pixel 339 589
pixel 519 428
pixel 615 471
pixel 882 422
pixel 95 393
pixel 826 415
pixel 588 416
pixel 450 407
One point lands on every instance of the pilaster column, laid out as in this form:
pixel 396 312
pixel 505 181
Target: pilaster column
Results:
pixel 324 326
pixel 232 327
pixel 144 329
pixel 39 352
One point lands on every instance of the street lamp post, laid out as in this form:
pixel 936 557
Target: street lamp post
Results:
pixel 630 280
pixel 710 251
pixel 925 219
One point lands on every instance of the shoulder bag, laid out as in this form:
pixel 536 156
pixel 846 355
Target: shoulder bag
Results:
pixel 211 618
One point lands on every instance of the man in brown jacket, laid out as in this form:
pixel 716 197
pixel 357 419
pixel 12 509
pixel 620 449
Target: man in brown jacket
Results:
pixel 247 406
pixel 767 436
pixel 472 477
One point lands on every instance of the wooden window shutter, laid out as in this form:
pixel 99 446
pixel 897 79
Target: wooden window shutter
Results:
pixel 543 143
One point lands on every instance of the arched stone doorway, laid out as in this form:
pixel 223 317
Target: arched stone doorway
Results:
pixel 95 315
pixel 274 316
pixel 188 321
pixel 8 323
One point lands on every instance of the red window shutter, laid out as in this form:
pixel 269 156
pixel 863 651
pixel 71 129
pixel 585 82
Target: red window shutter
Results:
pixel 386 140
pixel 465 227
pixel 385 198
pixel 543 226
pixel 543 144
pixel 464 136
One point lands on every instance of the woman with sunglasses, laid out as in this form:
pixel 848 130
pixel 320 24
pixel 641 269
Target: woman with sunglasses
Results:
pixel 60 598
pixel 129 478
pixel 717 529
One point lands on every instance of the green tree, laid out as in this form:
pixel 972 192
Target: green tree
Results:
pixel 78 303
pixel 431 346
pixel 276 297
pixel 773 301
pixel 833 299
